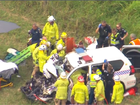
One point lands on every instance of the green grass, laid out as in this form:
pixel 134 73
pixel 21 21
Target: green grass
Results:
pixel 77 18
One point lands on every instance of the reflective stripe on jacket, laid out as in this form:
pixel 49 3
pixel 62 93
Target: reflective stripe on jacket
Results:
pixel 61 53
pixel 135 42
pixel 51 32
pixel 62 88
pixel 61 42
pixel 118 92
pixel 80 93
pixel 98 72
pixel 92 81
pixel 42 60
pixel 99 91
pixel 114 40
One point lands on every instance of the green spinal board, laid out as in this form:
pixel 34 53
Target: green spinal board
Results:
pixel 24 54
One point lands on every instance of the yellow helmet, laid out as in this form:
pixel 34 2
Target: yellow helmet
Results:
pixel 43 42
pixel 64 35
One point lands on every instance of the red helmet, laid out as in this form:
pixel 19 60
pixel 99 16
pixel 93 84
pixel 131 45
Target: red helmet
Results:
pixel 81 79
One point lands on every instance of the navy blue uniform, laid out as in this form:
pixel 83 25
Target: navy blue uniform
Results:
pixel 104 31
pixel 121 32
pixel 36 35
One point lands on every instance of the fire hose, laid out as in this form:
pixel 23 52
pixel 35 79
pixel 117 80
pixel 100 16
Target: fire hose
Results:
pixel 104 98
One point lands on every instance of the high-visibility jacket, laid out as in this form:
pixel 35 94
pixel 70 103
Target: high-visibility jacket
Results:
pixel 35 56
pixel 42 56
pixel 118 92
pixel 135 42
pixel 80 93
pixel 51 32
pixel 99 91
pixel 61 53
pixel 62 88
pixel 114 39
pixel 76 74
pixel 98 72
pixel 92 81
pixel 61 42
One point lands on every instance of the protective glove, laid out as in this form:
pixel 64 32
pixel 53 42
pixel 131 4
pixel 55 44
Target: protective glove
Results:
pixel 107 37
pixel 29 31
pixel 99 25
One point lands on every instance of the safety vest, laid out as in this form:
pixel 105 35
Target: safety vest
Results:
pixel 114 40
pixel 92 81
pixel 135 42
pixel 98 72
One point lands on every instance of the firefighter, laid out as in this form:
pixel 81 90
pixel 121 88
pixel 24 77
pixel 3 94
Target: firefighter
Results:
pixel 62 87
pixel 50 31
pixel 79 94
pixel 92 86
pixel 59 50
pixel 63 39
pixel 118 91
pixel 35 56
pixel 115 39
pixel 42 57
pixel 99 91
pixel 76 74
pixel 134 40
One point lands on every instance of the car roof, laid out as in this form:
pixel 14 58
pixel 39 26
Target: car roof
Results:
pixel 98 55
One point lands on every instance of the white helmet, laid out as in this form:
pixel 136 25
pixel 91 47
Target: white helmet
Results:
pixel 63 75
pixel 51 18
pixel 59 47
pixel 97 77
pixel 42 47
pixel 48 44
pixel 116 78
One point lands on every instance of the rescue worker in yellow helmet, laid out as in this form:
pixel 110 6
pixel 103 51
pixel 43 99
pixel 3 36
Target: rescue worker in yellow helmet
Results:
pixel 35 56
pixel 76 74
pixel 50 31
pixel 59 50
pixel 79 94
pixel 42 57
pixel 99 90
pixel 63 39
pixel 92 85
pixel 62 87
pixel 118 91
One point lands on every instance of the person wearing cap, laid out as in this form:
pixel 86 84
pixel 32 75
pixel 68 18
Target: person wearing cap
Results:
pixel 62 87
pixel 63 39
pixel 99 90
pixel 35 56
pixel 79 94
pixel 108 74
pixel 134 40
pixel 50 31
pixel 118 91
pixel 92 85
pixel 42 57
pixel 59 50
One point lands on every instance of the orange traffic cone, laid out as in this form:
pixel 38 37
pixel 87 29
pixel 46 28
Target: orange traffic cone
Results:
pixel 131 91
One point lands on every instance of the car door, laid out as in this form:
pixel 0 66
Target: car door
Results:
pixel 132 52
pixel 85 68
